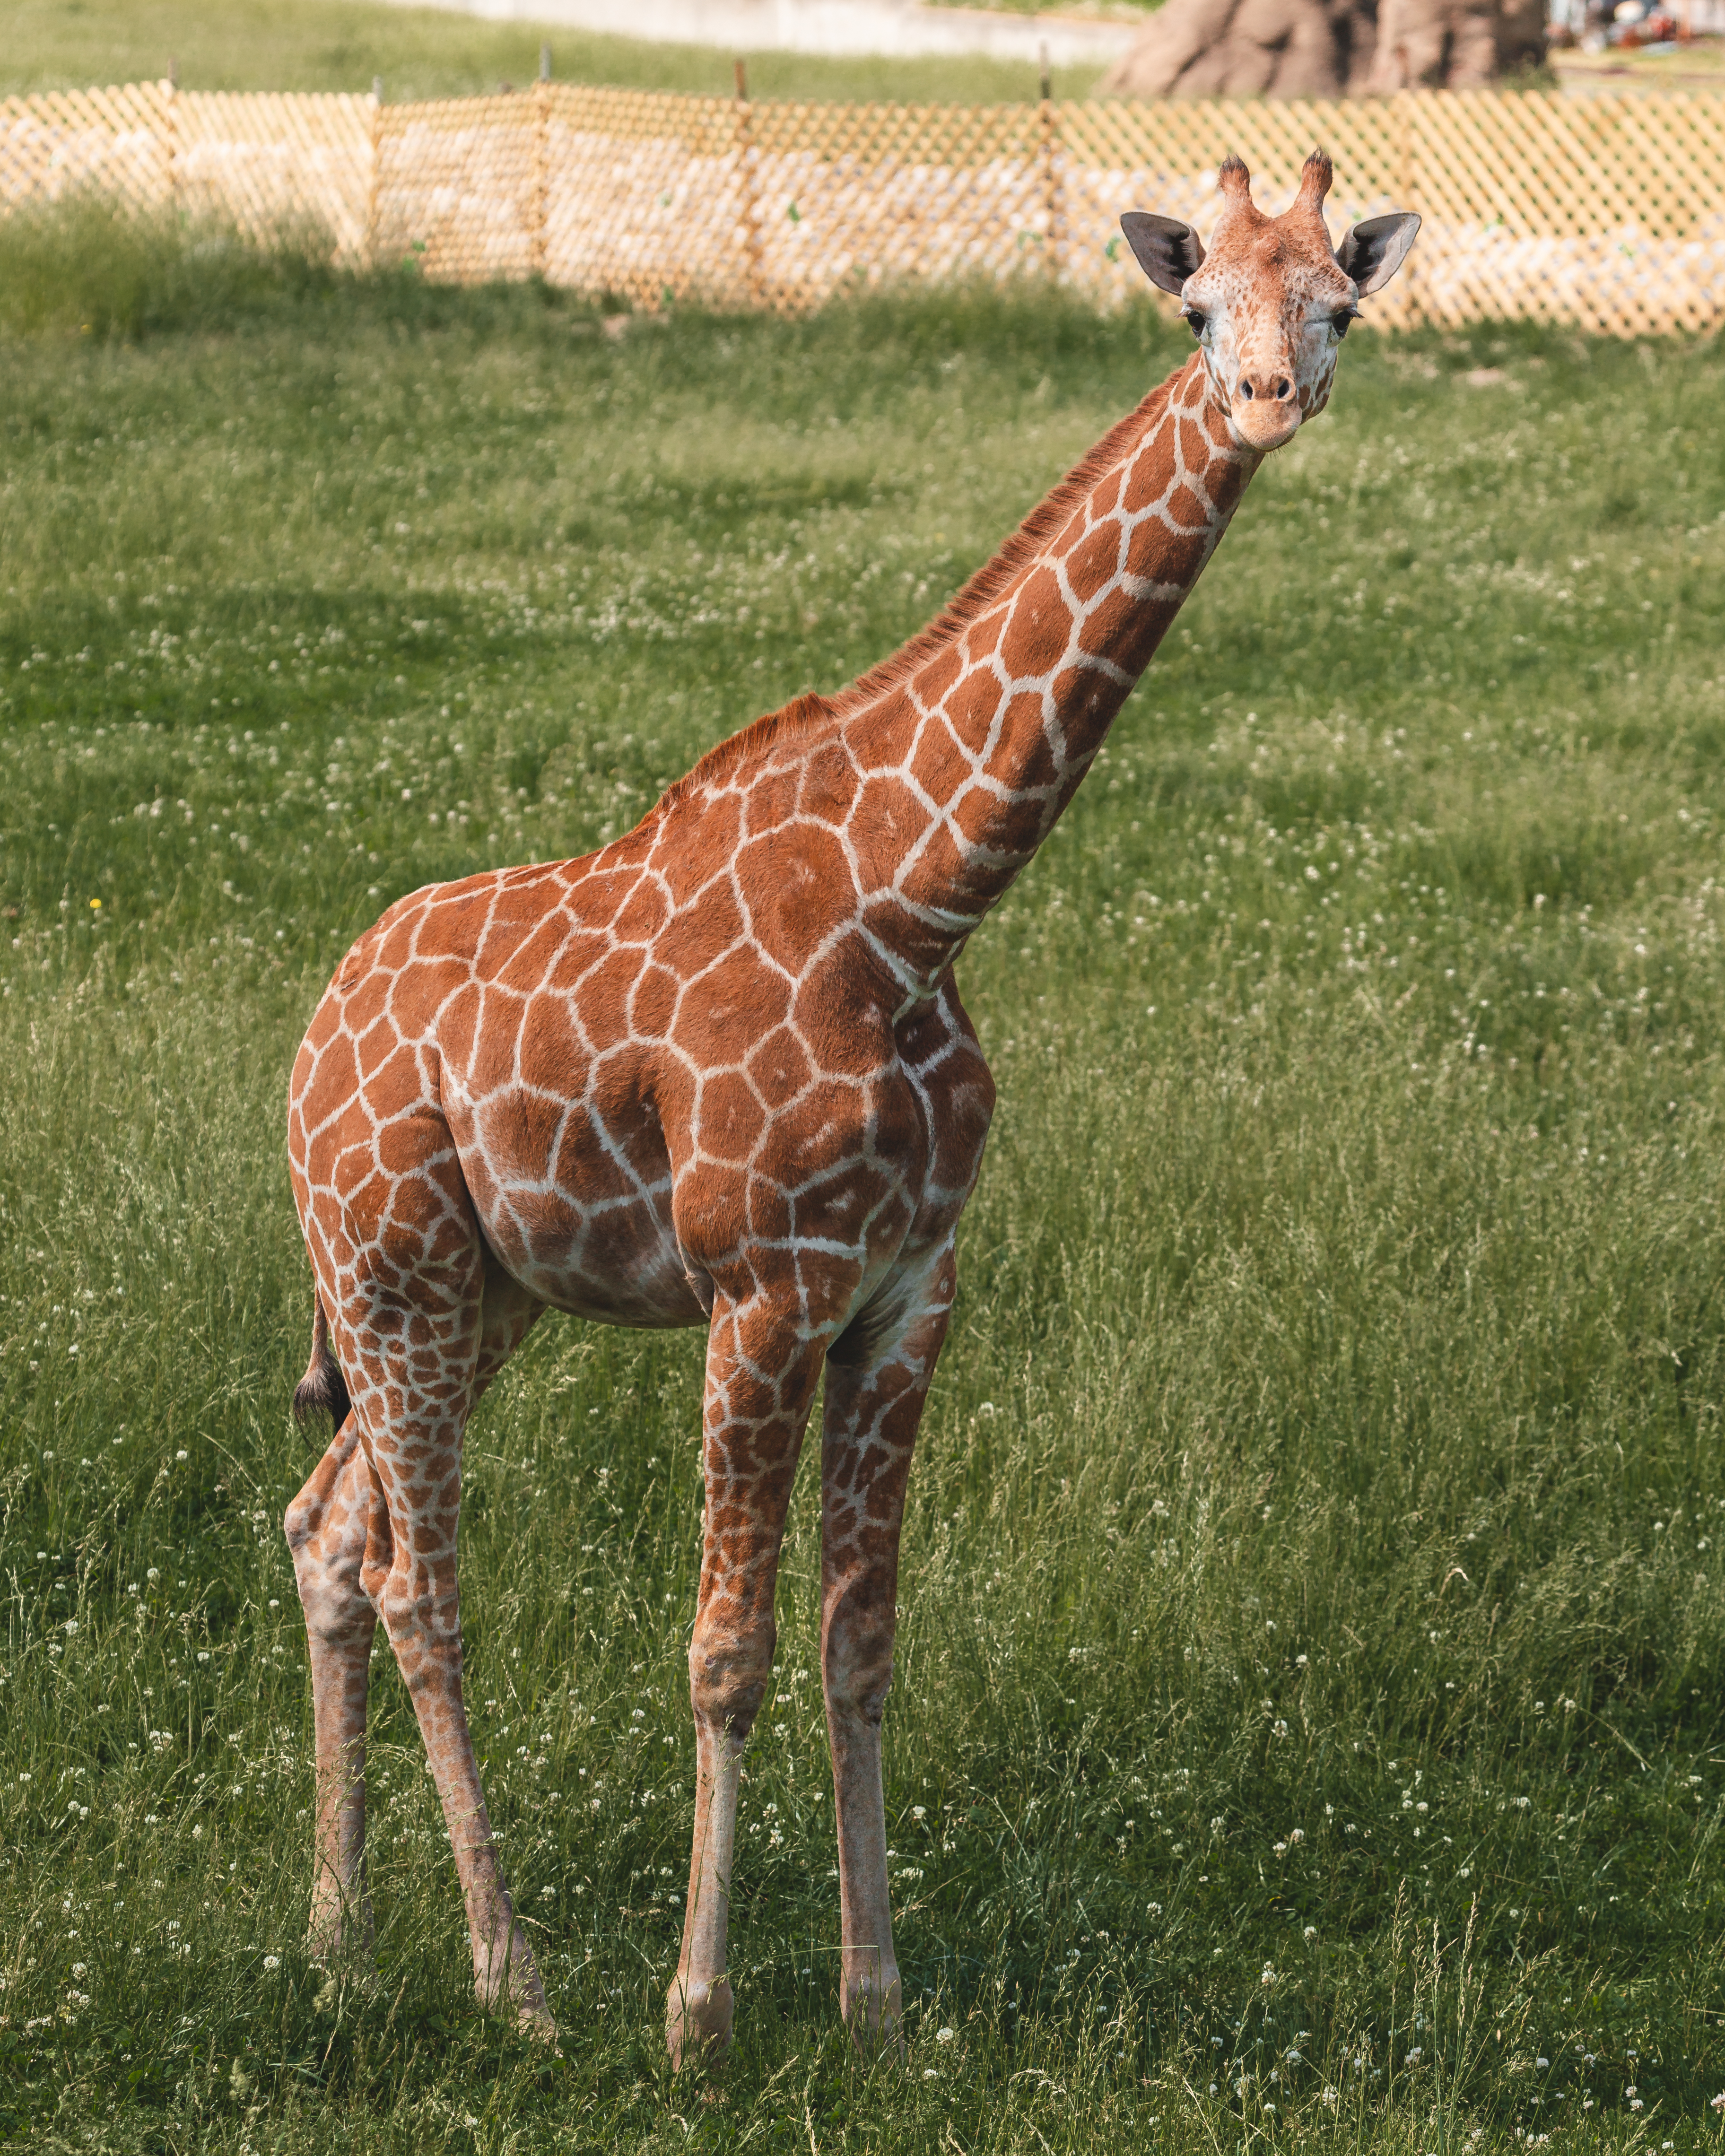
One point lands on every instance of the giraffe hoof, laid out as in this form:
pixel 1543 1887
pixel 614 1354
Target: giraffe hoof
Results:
pixel 338 1942
pixel 534 2019
pixel 873 2013
pixel 698 2019
pixel 507 1984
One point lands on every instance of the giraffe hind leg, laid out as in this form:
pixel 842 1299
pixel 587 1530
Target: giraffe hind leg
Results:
pixel 422 1319
pixel 338 1530
pixel 327 1527
pixel 419 1343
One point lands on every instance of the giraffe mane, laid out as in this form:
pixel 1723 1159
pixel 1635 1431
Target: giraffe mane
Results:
pixel 799 719
pixel 996 574
pixel 810 717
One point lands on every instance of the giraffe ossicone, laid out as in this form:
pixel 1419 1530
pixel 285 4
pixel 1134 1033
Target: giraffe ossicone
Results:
pixel 718 1073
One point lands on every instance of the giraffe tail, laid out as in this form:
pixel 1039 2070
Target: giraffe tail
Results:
pixel 323 1390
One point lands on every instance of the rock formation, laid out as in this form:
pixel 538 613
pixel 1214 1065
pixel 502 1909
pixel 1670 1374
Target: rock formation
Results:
pixel 1327 47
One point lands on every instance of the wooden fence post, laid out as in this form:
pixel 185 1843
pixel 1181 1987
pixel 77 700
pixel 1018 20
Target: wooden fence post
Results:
pixel 542 165
pixel 1406 302
pixel 1048 126
pixel 371 238
pixel 170 99
pixel 746 180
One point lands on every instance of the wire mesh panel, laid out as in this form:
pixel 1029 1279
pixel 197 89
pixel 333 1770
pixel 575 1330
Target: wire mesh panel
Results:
pixel 117 142
pixel 278 166
pixel 858 195
pixel 459 187
pixel 646 196
pixel 1607 212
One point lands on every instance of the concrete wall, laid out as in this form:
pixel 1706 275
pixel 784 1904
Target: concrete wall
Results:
pixel 900 29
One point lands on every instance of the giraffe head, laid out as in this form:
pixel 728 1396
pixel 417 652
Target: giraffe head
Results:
pixel 1272 298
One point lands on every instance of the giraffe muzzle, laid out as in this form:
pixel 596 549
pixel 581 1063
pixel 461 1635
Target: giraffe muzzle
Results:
pixel 1267 411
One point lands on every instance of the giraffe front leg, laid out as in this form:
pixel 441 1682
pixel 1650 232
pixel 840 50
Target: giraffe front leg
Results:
pixel 327 1526
pixel 868 1436
pixel 760 1382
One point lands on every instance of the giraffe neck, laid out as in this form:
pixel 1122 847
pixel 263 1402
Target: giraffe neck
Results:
pixel 977 735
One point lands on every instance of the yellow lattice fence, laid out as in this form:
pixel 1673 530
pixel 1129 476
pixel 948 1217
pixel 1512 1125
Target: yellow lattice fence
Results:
pixel 1607 212
pixel 117 142
pixel 273 166
pixel 279 164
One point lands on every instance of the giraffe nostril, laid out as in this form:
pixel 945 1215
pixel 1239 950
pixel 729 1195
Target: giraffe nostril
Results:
pixel 1284 388
pixel 1245 390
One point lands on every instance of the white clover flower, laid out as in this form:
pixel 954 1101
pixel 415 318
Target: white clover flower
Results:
pixel 944 2035
pixel 272 1961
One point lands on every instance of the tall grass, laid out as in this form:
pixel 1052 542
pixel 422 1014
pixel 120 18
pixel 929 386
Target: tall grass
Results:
pixel 1306 1726
pixel 92 268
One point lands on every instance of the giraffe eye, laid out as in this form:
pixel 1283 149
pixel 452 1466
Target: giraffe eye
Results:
pixel 1338 323
pixel 1197 321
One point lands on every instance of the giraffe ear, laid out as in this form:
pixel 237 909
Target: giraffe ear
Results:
pixel 1373 252
pixel 1169 252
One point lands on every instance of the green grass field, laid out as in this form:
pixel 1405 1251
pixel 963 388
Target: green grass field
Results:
pixel 1307 1730
pixel 422 51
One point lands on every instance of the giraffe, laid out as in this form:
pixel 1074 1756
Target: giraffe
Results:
pixel 719 1074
